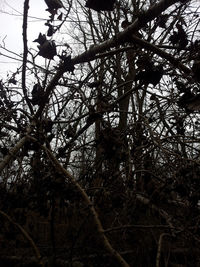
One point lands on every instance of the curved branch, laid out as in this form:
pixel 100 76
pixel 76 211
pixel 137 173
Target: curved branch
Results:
pixel 161 53
pixel 13 151
pixel 162 213
pixel 120 38
pixel 90 54
pixel 91 208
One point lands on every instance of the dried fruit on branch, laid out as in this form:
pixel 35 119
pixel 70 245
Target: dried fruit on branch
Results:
pixel 53 5
pixel 100 5
pixel 47 49
pixel 152 76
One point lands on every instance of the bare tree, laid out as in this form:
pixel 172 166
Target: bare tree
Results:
pixel 99 137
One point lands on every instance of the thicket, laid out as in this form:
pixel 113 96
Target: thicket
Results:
pixel 100 138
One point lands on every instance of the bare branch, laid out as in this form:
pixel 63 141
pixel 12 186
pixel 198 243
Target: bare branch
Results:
pixel 26 7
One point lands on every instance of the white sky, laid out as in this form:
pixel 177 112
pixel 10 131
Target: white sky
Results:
pixel 11 19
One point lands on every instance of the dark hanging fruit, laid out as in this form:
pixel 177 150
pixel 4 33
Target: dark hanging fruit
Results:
pixel 94 84
pixel 37 94
pixel 53 5
pixel 4 150
pixel 93 115
pixel 68 64
pixel 179 37
pixel 47 49
pixel 61 152
pixel 12 81
pixel 196 70
pixel 161 21
pixel 145 62
pixel 100 5
pixel 180 126
pixel 189 101
pixel 47 125
pixel 50 31
pixel 129 38
pixel 152 76
pixel 41 39
pixel 181 86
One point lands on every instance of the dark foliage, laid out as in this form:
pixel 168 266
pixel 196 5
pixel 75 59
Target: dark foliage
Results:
pixel 66 62
pixel 47 124
pixel 100 5
pixel 94 84
pixel 190 101
pixel 162 20
pixel 47 49
pixel 12 81
pixel 41 39
pixel 196 70
pixel 152 76
pixel 93 116
pixel 37 94
pixel 53 4
pixel 50 31
pixel 179 37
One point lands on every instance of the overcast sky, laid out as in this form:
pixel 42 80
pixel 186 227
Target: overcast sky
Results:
pixel 11 18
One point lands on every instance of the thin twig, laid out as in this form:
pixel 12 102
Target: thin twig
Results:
pixel 139 226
